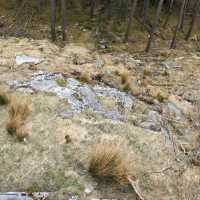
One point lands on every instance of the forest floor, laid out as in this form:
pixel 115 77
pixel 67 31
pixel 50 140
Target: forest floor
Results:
pixel 159 118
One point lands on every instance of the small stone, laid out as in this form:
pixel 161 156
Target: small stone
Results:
pixel 88 190
pixel 71 174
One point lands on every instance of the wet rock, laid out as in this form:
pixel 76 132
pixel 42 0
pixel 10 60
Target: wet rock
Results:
pixel 173 111
pixel 89 98
pixel 125 100
pixel 114 115
pixel 153 116
pixel 151 126
pixel 170 64
pixel 181 104
pixel 177 108
pixel 79 96
pixel 152 121
pixel 22 59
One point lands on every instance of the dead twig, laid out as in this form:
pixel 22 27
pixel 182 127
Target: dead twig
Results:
pixel 162 170
pixel 167 84
pixel 135 185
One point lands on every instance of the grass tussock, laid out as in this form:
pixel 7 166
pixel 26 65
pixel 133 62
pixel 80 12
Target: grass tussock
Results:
pixel 23 131
pixel 147 71
pixel 110 161
pixel 125 81
pixel 4 97
pixel 85 77
pixel 19 111
pixel 127 87
pixel 124 77
pixel 127 84
pixel 13 125
pixel 20 107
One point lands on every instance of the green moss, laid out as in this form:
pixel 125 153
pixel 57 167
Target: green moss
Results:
pixel 126 87
pixel 55 180
pixel 34 188
pixel 61 82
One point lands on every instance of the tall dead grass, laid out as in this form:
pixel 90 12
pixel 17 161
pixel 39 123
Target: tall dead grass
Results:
pixel 110 161
pixel 19 112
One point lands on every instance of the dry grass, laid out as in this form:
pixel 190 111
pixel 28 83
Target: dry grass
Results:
pixel 13 125
pixel 85 77
pixel 20 107
pixel 109 161
pixel 19 111
pixel 23 131
pixel 125 81
pixel 160 97
pixel 127 84
pixel 4 97
pixel 127 87
pixel 147 71
pixel 124 77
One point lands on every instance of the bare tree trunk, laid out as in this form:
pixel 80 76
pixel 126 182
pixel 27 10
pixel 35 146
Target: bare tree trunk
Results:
pixel 153 29
pixel 169 13
pixel 92 6
pixel 19 3
pixel 194 17
pixel 145 10
pixel 130 19
pixel 108 9
pixel 184 11
pixel 53 20
pixel 173 43
pixel 63 14
pixel 40 6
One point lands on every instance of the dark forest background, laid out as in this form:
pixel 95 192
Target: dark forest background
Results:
pixel 108 21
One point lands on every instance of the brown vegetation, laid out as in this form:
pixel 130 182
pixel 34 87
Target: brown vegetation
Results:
pixel 23 131
pixel 109 161
pixel 4 97
pixel 124 77
pixel 125 81
pixel 19 111
pixel 85 77
pixel 13 124
pixel 20 107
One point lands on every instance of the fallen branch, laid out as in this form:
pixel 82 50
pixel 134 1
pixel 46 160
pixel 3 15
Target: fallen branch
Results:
pixel 136 188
